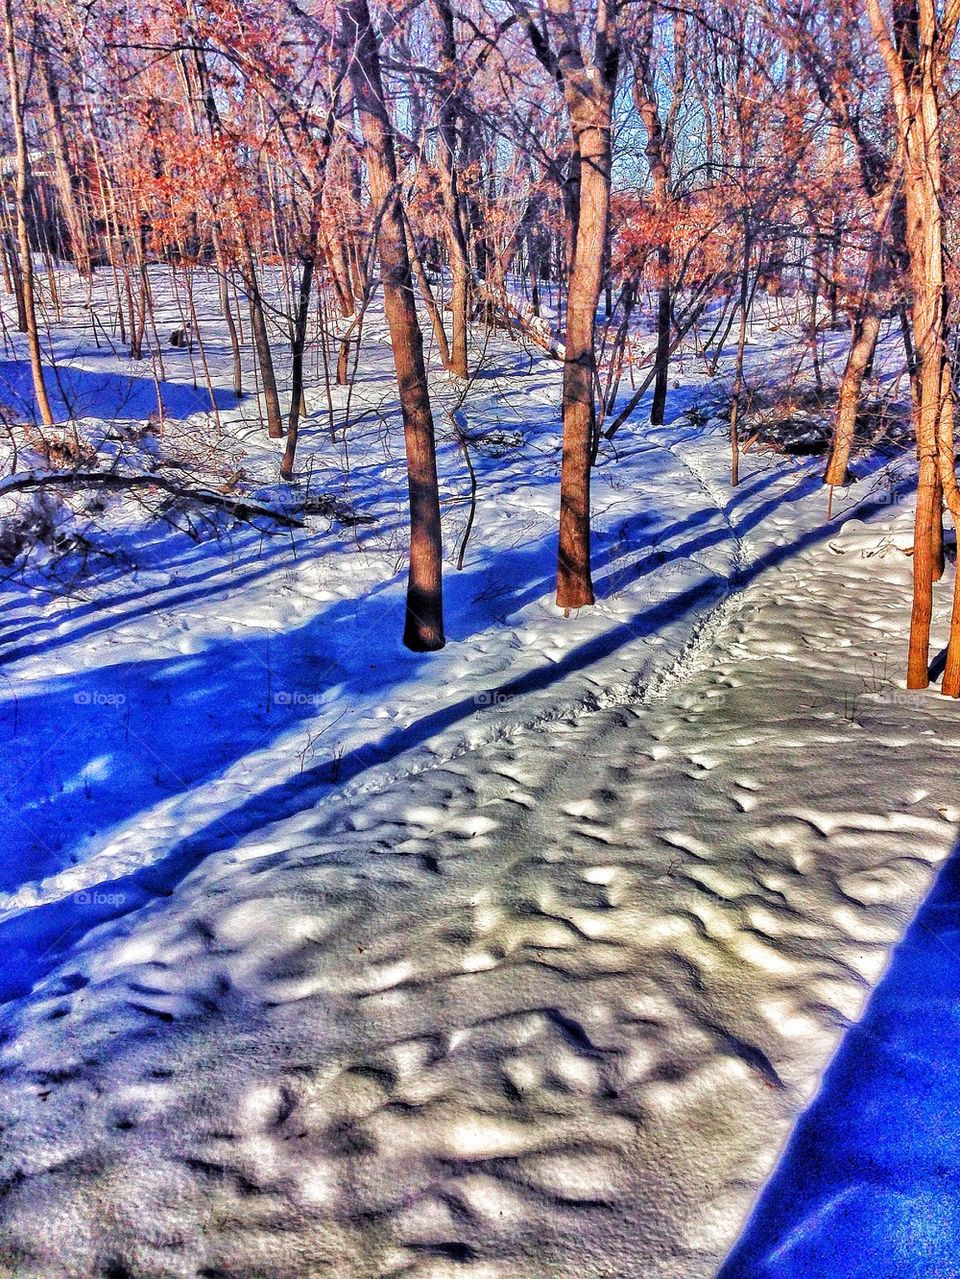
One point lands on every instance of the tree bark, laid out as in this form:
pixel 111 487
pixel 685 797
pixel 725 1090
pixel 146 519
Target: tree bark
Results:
pixel 261 337
pixel 72 211
pixel 14 278
pixel 585 279
pixel 865 333
pixel 423 629
pixel 227 310
pixel 914 56
pixel 426 292
pixel 588 84
pixel 21 190
pixel 737 397
pixel 659 151
pixel 658 408
pixel 297 347
pixel 455 234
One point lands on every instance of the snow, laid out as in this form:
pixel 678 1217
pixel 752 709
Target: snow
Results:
pixel 867 1184
pixel 518 959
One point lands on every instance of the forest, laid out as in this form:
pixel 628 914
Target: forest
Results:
pixel 481 638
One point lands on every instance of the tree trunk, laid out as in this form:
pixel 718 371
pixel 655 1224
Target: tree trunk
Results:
pixel 950 686
pixel 14 277
pixel 21 189
pixel 659 151
pixel 659 406
pixel 455 234
pixel 588 89
pixel 423 630
pixel 737 397
pixel 261 337
pixel 918 672
pixel 224 292
pixel 585 279
pixel 865 333
pixel 915 56
pixel 72 211
pixel 338 268
pixel 298 345
pixel 920 128
pixel 426 292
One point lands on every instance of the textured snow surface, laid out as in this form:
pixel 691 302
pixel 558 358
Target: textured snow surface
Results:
pixel 520 960
pixel 868 1185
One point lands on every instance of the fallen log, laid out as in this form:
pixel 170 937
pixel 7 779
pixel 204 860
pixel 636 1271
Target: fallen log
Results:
pixel 241 508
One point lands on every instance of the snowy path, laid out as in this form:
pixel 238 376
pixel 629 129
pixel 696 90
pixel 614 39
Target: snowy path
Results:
pixel 542 1005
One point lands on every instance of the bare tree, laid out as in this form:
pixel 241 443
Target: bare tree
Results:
pixel 660 128
pixel 423 630
pixel 915 53
pixel 588 79
pixel 21 193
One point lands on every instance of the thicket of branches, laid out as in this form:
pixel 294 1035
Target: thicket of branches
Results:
pixel 578 171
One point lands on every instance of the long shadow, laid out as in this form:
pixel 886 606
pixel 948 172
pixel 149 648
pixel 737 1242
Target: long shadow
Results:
pixel 85 752
pixel 35 941
pixel 520 583
pixel 77 392
pixel 134 712
pixel 641 531
pixel 869 1184
pixel 617 544
pixel 208 687
pixel 103 612
pixel 653 560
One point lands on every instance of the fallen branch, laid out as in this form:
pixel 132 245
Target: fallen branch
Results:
pixel 241 508
pixel 518 314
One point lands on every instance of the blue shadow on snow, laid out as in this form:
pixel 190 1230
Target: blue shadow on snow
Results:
pixel 76 392
pixel 869 1184
pixel 228 691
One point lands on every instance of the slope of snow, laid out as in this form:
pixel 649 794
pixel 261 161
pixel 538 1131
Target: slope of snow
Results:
pixel 867 1186
pixel 516 960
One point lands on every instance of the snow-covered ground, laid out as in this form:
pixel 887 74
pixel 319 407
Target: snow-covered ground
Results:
pixel 520 959
pixel 868 1184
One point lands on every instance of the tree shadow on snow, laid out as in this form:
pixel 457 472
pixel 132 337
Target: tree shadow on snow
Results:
pixel 75 392
pixel 161 727
pixel 868 1186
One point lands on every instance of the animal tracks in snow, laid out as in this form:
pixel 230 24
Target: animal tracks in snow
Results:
pixel 544 1000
